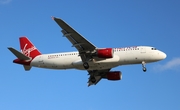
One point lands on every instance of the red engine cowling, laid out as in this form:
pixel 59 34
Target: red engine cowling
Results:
pixel 105 53
pixel 114 75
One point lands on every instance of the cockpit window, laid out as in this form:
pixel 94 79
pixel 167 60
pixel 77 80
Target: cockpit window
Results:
pixel 153 48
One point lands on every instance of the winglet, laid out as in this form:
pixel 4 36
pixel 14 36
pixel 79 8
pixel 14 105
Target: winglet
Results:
pixel 52 17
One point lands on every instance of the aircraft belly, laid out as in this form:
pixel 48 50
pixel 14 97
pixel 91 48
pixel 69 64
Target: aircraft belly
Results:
pixel 98 64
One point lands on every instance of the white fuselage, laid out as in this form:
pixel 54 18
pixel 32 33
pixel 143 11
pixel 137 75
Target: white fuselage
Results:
pixel 122 56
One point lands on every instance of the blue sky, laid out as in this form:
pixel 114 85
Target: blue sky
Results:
pixel 105 23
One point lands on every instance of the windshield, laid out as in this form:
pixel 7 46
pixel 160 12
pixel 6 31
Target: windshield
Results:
pixel 153 48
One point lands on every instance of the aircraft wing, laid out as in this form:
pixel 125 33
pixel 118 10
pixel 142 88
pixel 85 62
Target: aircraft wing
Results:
pixel 77 40
pixel 85 49
pixel 97 75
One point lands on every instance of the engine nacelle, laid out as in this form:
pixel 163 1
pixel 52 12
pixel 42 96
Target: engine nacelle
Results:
pixel 105 53
pixel 114 75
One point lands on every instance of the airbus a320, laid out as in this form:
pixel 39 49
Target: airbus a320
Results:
pixel 98 62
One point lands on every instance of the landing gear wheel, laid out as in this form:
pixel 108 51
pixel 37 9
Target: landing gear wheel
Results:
pixel 143 65
pixel 144 69
pixel 93 80
pixel 86 65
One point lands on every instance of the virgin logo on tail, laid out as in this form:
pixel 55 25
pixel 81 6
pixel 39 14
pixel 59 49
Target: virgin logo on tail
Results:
pixel 28 51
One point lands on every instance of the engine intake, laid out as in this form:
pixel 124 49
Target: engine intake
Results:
pixel 114 75
pixel 105 53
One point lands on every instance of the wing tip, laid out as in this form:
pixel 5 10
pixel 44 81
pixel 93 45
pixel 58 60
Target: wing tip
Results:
pixel 52 17
pixel 55 19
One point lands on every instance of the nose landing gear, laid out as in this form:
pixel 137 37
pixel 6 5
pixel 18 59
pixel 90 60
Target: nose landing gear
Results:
pixel 143 66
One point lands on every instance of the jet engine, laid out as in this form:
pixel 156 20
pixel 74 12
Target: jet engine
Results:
pixel 114 75
pixel 105 53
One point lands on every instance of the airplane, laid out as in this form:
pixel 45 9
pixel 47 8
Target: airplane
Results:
pixel 98 62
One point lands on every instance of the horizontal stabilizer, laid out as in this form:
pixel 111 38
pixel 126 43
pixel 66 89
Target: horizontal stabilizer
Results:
pixel 27 68
pixel 18 54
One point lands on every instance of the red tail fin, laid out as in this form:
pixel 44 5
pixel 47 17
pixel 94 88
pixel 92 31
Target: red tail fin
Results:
pixel 27 48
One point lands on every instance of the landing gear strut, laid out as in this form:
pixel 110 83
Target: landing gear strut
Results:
pixel 143 66
pixel 86 65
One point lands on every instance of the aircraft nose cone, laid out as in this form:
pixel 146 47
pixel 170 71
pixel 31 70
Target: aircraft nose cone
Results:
pixel 163 55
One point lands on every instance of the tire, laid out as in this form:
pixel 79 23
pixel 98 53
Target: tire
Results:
pixel 93 80
pixel 86 65
pixel 144 69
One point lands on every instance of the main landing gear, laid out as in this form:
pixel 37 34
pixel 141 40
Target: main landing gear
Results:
pixel 143 66
pixel 86 65
pixel 93 79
